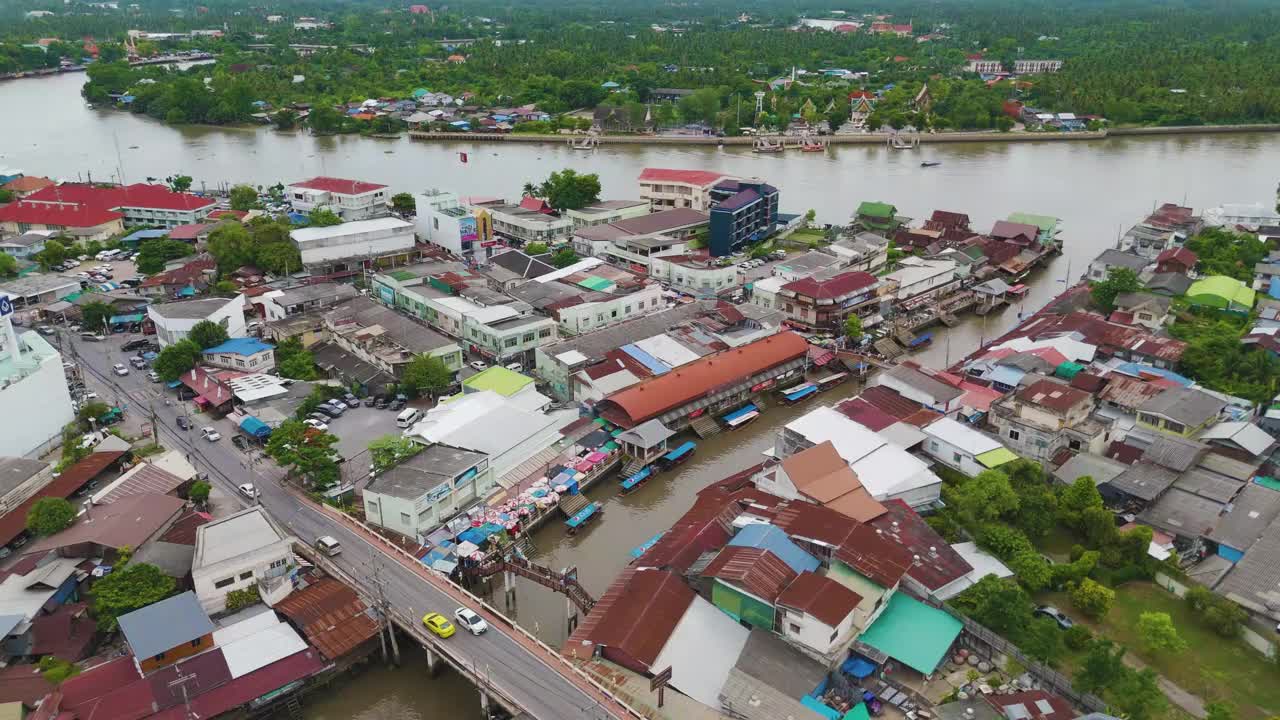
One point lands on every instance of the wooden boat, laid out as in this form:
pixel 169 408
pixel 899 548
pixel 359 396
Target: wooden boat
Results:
pixel 793 395
pixel 762 145
pixel 677 456
pixel 930 163
pixel 587 143
pixel 741 417
pixel 830 381
pixel 635 481
pixel 583 517
pixel 920 342
pixel 813 147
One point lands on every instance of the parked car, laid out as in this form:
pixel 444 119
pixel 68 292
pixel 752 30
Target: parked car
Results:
pixel 336 403
pixel 382 403
pixel 478 365
pixel 136 344
pixel 92 337
pixel 396 405
pixel 471 621
pixel 371 401
pixel 248 490
pixel 120 369
pixel 1056 615
pixel 239 442
pixel 153 376
pixel 137 362
pixel 312 422
pixel 329 410
pixel 210 434
pixel 351 400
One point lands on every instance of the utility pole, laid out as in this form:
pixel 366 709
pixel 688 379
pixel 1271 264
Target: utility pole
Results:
pixel 384 609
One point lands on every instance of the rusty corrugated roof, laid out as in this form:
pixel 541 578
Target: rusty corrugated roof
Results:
pixel 331 615
pixel 755 570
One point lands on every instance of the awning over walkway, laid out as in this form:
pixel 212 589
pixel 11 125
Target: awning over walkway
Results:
pixel 913 633
pixel 255 427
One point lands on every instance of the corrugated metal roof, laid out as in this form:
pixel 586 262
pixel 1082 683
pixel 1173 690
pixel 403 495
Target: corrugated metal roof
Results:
pixel 821 597
pixel 165 625
pixel 773 539
pixel 757 571
pixel 331 615
pixel 641 619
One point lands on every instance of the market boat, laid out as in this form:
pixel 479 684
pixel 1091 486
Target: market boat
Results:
pixel 831 381
pixel 920 342
pixel 930 163
pixel 795 394
pixel 636 480
pixel 677 456
pixel 741 416
pixel 583 517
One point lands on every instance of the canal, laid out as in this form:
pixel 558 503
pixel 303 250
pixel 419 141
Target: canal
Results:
pixel 1097 188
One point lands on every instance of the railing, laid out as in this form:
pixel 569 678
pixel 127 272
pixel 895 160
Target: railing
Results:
pixel 542 575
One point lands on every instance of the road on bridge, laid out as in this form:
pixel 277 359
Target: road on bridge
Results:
pixel 503 658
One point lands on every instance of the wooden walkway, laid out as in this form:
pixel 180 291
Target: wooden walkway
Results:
pixel 542 575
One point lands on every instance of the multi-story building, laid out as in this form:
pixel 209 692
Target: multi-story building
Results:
pixel 173 321
pixel 348 199
pixel 280 304
pixel 918 281
pixel 237 552
pixel 242 354
pixel 607 211
pixel 742 212
pixel 442 220
pixel 530 221
pixel 90 208
pixel 1183 412
pixel 27 244
pixel 386 339
pixel 353 242
pixel 1026 67
pixel 695 274
pixel 822 302
pixel 983 66
pixel 33 391
pixel 581 304
pixel 422 492
pixel 666 188
pixel 1047 416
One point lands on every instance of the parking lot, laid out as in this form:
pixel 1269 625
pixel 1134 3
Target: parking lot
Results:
pixel 120 270
pixel 360 426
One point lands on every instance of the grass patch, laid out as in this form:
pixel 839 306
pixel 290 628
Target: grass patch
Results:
pixel 1212 667
pixel 1057 544
pixel 148 450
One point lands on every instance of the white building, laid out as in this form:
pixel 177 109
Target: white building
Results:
pixel 818 613
pixel 34 398
pixel 963 448
pixel 20 478
pixel 520 223
pixel 918 279
pixel 422 492
pixel 174 320
pixel 1254 215
pixel 507 430
pixel 245 354
pixel 360 239
pixel 694 275
pixel 607 211
pixel 443 221
pixel 349 199
pixel 237 552
pixel 605 310
pixel 665 188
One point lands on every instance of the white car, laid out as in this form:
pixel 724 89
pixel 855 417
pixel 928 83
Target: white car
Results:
pixel 210 434
pixel 478 365
pixel 338 404
pixel 471 621
pixel 312 422
pixel 249 491
pixel 120 369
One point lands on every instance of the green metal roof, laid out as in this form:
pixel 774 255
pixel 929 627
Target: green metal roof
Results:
pixel 913 633
pixel 595 282
pixel 401 275
pixel 1046 223
pixel 1220 291
pixel 995 458
pixel 877 209
pixel 498 379
pixel 1068 370
pixel 1267 482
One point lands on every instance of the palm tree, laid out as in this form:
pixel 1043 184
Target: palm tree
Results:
pixel 529 189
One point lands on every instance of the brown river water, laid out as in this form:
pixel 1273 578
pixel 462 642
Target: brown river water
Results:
pixel 1097 188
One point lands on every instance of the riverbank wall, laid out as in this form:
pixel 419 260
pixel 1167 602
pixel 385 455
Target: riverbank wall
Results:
pixel 868 139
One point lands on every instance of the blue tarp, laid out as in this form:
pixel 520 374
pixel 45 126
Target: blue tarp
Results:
pixel 858 667
pixel 118 319
pixel 920 339
pixel 255 427
pixel 642 549
pixel 1274 288
pixel 656 366
pixel 679 452
pixel 582 515
pixel 636 479
pixel 801 393
pixel 815 705
pixel 750 408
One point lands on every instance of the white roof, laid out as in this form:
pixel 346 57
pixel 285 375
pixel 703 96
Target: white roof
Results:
pixel 884 468
pixel 311 234
pixel 851 440
pixel 961 436
pixel 257 386
pixel 1072 349
pixel 572 357
pixel 903 435
pixel 479 313
pixel 1066 116
pixel 233 536
pixel 770 284
pixel 174 463
pixel 267 641
pixel 911 273
pixel 583 264
pixel 983 564
pixel 704 646
pixel 1247 435
pixel 665 348
pixel 16 599
pixel 468 422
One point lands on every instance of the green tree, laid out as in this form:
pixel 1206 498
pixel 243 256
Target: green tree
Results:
pixel 564 257
pixel 1101 667
pixel 129 588
pixel 285 119
pixel 91 411
pixel 567 190
pixel 1042 640
pixel 1092 598
pixel 1137 694
pixel 984 498
pixel 95 316
pixel 199 492
pixel 176 359
pixel 55 670
pixel 300 366
pixel 1032 570
pixel 998 604
pixel 50 515
pixel 54 253
pixel 426 374
pixel 403 202
pixel 305 451
pixel 390 450
pixel 1158 633
pixel 535 248
pixel 853 328
pixel 178 183
pixel 1119 280
pixel 206 334
pixel 1099 527
pixel 8 265
pixel 244 197
pixel 1076 498
pixel 226 287
pixel 6 196
pixel 323 217
pixel 324 120
pixel 1220 711
pixel 153 254
pixel 232 246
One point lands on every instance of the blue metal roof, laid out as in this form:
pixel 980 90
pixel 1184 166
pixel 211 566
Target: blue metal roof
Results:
pixel 769 537
pixel 583 515
pixel 1134 369
pixel 239 346
pixel 656 366
pixel 750 407
pixel 1006 375
pixel 680 452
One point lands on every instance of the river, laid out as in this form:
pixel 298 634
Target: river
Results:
pixel 1097 188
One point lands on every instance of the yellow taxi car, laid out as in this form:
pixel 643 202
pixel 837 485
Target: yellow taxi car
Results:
pixel 438 624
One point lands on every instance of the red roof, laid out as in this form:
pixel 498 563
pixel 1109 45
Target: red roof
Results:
pixel 938 564
pixel 538 205
pixel 1031 701
pixel 183 530
pixel 881 559
pixel 821 597
pixel 28 183
pixel 671 390
pixel 693 177
pixel 138 195
pixel 188 232
pixel 73 216
pixel 639 622
pixel 755 570
pixel 890 401
pixel 67 633
pixel 206 386
pixel 96 682
pixel 23 683
pixel 834 287
pixel 188 274
pixel 1181 255
pixel 331 615
pixel 1052 395
pixel 248 687
pixel 866 414
pixel 15 521
pixel 338 185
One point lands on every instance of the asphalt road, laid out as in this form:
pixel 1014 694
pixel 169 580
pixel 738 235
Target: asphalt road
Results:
pixel 507 664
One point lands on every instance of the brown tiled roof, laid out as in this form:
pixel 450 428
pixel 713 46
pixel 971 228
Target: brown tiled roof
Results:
pixel 834 287
pixel 821 597
pixel 654 396
pixel 1052 395
pixel 331 615
pixel 821 474
pixel 890 401
pixel 755 570
pixel 15 521
pixel 28 183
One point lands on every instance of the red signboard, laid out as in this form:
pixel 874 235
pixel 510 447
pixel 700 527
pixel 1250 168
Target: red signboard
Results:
pixel 762 386
pixel 697 412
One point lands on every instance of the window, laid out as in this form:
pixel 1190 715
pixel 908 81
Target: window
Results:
pixel 278 563
pixel 196 642
pixel 528 337
pixel 626 310
pixel 794 628
pixel 1013 435
pixel 1073 444
pixel 405 519
pixel 933 445
pixel 160 656
pixel 955 457
pixel 224 582
pixel 544 333
pixel 834 633
pixel 510 342
pixel 1172 426
pixel 247 575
